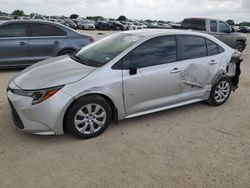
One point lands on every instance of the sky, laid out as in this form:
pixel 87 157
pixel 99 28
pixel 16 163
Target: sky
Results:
pixel 168 10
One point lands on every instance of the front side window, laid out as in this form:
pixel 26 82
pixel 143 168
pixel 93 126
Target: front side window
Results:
pixel 223 27
pixel 193 47
pixel 156 51
pixel 13 30
pixel 213 26
pixel 38 29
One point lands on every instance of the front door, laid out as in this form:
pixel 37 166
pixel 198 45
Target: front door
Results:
pixel 154 81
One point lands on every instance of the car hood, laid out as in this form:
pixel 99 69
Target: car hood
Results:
pixel 239 36
pixel 51 72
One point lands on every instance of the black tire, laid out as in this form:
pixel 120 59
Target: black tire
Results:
pixel 214 96
pixel 239 46
pixel 67 51
pixel 80 104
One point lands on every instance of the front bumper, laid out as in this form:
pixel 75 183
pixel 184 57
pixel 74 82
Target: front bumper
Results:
pixel 45 118
pixel 245 46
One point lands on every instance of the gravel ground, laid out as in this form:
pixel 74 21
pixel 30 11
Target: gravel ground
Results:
pixel 190 146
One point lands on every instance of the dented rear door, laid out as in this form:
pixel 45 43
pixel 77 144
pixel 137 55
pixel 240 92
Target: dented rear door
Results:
pixel 201 61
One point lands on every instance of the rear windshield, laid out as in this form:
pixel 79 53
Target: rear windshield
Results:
pixel 197 24
pixel 99 53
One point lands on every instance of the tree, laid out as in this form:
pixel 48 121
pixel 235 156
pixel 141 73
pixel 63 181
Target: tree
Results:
pixel 230 22
pixel 18 13
pixel 74 16
pixel 122 18
pixel 95 18
pixel 244 24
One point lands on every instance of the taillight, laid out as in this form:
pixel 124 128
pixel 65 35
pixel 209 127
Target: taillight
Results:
pixel 92 39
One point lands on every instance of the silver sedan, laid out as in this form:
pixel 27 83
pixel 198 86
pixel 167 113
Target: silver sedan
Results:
pixel 125 75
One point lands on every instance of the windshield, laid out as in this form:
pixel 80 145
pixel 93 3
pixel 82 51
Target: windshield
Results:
pixel 99 53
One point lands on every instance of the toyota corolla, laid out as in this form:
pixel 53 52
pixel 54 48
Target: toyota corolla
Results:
pixel 125 75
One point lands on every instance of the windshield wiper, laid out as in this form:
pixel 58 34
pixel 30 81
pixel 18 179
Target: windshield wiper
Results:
pixel 78 59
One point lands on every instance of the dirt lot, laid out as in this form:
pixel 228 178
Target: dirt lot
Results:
pixel 190 146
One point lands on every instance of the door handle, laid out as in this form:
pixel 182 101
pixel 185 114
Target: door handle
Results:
pixel 56 42
pixel 176 70
pixel 212 62
pixel 22 43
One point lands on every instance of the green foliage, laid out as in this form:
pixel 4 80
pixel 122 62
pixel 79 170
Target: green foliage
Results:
pixel 18 13
pixel 122 18
pixel 149 21
pixel 230 22
pixel 74 16
pixel 244 24
pixel 95 18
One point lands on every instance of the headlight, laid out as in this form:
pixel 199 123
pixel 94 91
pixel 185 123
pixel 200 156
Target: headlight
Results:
pixel 37 95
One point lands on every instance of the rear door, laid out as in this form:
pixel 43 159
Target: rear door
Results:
pixel 13 45
pixel 45 41
pixel 200 63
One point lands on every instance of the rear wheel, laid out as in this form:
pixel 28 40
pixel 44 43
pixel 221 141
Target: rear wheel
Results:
pixel 220 92
pixel 88 117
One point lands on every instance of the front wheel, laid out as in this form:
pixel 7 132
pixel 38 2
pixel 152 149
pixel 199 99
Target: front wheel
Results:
pixel 88 117
pixel 220 92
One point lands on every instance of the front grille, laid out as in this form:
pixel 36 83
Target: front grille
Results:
pixel 15 117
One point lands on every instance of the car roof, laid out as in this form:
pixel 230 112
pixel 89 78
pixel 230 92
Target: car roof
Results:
pixel 154 32
pixel 67 29
pixel 32 21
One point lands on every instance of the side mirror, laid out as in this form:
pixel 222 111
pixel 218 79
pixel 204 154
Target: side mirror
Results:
pixel 133 70
pixel 232 30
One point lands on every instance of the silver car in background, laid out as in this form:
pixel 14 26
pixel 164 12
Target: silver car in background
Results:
pixel 125 75
pixel 25 42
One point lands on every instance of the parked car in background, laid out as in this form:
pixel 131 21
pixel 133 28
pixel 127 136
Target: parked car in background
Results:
pixel 122 76
pixel 152 25
pixel 85 24
pixel 25 42
pixel 102 25
pixel 38 17
pixel 129 25
pixel 70 23
pixel 139 25
pixel 244 29
pixel 116 25
pixel 61 21
pixel 4 19
pixel 218 29
pixel 164 26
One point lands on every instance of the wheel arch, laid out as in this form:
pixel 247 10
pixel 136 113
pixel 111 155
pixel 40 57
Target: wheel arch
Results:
pixel 64 49
pixel 106 97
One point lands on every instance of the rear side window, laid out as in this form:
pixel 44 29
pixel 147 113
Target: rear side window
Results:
pixel 212 48
pixel 193 47
pixel 13 30
pixel 156 51
pixel 46 30
pixel 196 24
pixel 213 26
